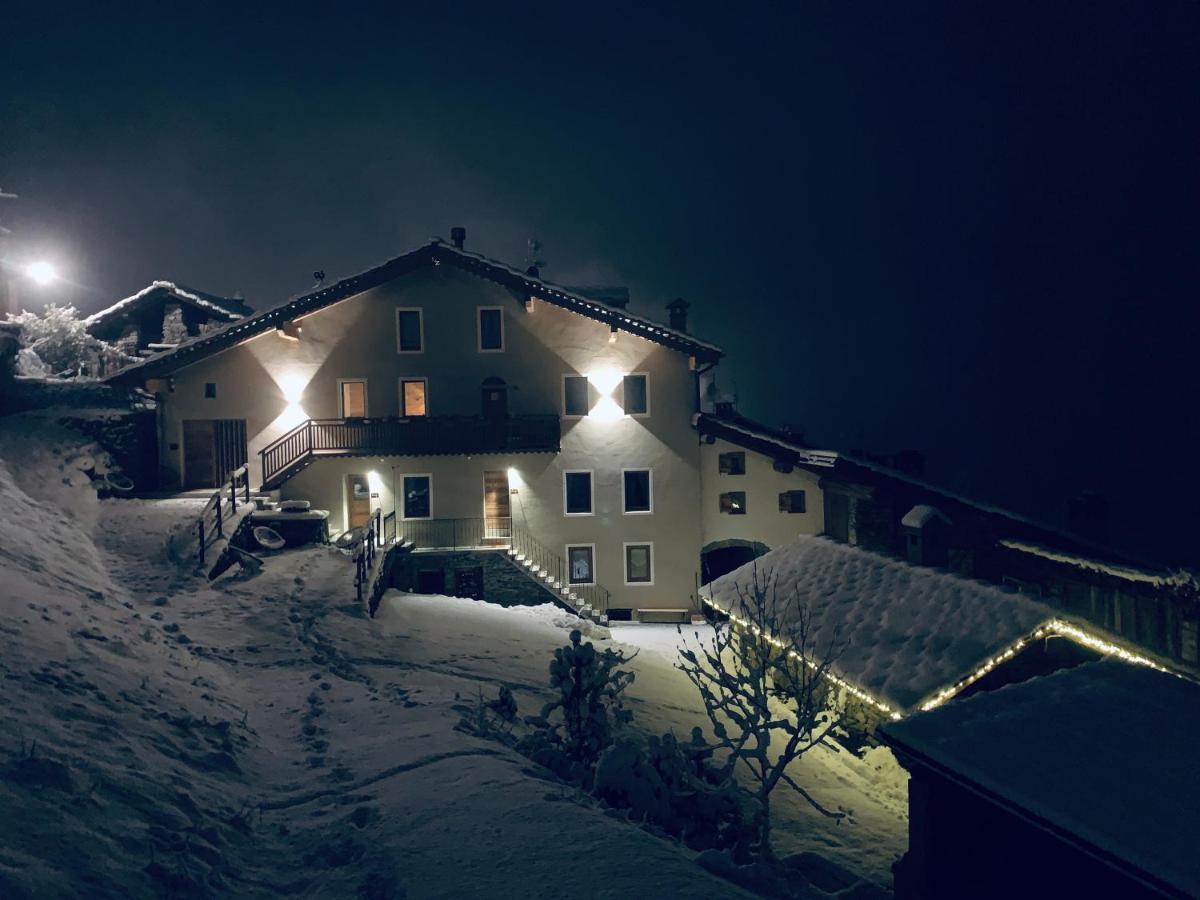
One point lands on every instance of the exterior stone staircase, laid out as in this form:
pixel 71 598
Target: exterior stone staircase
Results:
pixel 570 598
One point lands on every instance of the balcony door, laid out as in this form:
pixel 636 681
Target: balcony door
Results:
pixel 497 508
pixel 495 399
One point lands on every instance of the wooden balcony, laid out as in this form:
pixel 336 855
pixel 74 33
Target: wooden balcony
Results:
pixel 416 436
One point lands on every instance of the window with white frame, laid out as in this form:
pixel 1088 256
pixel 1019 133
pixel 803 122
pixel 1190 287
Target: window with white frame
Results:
pixel 490 322
pixel 639 563
pixel 635 393
pixel 577 492
pixel 636 493
pixel 581 564
pixel 577 400
pixel 352 398
pixel 410 330
pixel 414 397
pixel 417 496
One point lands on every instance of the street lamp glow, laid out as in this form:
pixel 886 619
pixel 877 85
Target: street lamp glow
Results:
pixel 41 272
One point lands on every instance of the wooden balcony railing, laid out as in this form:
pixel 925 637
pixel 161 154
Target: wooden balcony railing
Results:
pixel 416 436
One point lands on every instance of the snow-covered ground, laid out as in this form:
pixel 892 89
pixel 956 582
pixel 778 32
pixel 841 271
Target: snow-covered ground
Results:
pixel 258 736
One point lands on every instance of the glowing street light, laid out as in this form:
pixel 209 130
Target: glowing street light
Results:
pixel 41 272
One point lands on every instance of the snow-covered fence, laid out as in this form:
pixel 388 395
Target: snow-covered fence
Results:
pixel 211 525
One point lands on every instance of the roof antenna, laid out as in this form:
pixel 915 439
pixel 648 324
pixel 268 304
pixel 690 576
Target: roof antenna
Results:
pixel 319 275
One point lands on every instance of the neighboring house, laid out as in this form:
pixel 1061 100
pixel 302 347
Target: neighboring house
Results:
pixel 762 488
pixel 462 401
pixel 904 638
pixel 1080 784
pixel 163 314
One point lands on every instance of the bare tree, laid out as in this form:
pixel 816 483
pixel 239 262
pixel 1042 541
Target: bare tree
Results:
pixel 765 682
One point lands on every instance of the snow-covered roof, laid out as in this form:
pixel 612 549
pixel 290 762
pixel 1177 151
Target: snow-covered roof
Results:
pixel 909 631
pixel 1126 573
pixel 225 307
pixel 1104 752
pixel 435 252
pixel 920 516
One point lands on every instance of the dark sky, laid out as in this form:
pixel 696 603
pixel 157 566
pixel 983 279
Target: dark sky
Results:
pixel 970 229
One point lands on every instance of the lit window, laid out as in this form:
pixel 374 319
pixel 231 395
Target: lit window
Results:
pixel 577 493
pixel 576 395
pixel 791 502
pixel 412 397
pixel 353 398
pixel 581 564
pixel 639 564
pixel 636 395
pixel 636 490
pixel 734 503
pixel 410 331
pixel 491 329
pixel 417 497
pixel 732 463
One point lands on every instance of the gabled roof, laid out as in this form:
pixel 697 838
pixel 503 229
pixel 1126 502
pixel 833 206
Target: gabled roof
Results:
pixel 434 253
pixel 228 308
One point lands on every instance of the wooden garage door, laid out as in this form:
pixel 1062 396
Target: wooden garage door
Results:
pixel 212 448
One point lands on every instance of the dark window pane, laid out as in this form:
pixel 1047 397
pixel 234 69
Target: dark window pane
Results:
pixel 579 492
pixel 637 563
pixel 636 402
pixel 734 503
pixel 637 491
pixel 410 329
pixel 581 562
pixel 416 497
pixel 575 388
pixel 491 329
pixel 792 502
pixel 732 463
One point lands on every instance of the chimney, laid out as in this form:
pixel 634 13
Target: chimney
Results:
pixel 458 235
pixel 678 309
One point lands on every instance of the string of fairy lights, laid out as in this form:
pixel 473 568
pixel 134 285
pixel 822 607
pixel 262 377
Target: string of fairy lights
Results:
pixel 1050 628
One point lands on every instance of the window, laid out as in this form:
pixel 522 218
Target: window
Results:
pixel 418 502
pixel 639 564
pixel 733 463
pixel 491 329
pixel 581 563
pixel 635 491
pixel 577 493
pixel 734 503
pixel 352 399
pixel 576 395
pixel 791 502
pixel 410 331
pixel 413 394
pixel 210 390
pixel 636 395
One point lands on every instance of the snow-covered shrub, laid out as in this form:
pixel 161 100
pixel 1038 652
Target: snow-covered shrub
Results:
pixel 61 340
pixel 665 782
pixel 30 364
pixel 766 688
pixel 572 729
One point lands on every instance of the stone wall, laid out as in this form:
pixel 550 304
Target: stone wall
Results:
pixel 483 574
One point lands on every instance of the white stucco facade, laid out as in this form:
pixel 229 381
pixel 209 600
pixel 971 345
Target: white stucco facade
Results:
pixel 274 382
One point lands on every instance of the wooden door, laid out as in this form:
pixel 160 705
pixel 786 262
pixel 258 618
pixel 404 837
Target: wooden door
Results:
pixel 495 399
pixel 497 508
pixel 199 458
pixel 358 501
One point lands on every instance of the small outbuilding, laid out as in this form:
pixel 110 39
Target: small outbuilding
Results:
pixel 163 314
pixel 1084 783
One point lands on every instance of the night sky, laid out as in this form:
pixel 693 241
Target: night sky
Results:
pixel 971 231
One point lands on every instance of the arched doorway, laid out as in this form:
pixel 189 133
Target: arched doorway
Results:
pixel 722 557
pixel 495 399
